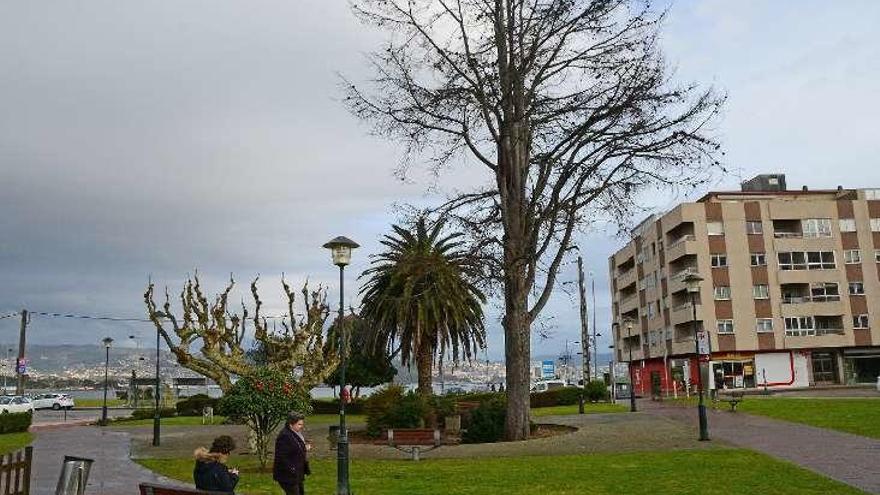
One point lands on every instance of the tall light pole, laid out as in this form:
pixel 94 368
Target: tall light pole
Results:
pixel 693 287
pixel 340 249
pixel 107 342
pixel 632 383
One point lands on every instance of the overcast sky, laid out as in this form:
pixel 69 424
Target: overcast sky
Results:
pixel 144 139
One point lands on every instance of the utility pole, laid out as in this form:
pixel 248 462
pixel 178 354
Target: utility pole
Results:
pixel 585 327
pixel 19 388
pixel 595 342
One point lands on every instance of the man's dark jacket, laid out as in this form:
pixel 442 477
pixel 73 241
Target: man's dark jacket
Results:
pixel 291 465
pixel 212 475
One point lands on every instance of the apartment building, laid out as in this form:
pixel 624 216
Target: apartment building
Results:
pixel 790 295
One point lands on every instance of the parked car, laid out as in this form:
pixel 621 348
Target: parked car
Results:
pixel 15 404
pixel 52 401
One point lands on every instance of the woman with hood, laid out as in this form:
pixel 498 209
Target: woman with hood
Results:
pixel 210 472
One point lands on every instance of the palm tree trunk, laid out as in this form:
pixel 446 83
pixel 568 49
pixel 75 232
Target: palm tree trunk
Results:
pixel 424 364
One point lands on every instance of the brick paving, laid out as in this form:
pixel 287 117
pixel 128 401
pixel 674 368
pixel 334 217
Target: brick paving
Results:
pixel 113 472
pixel 851 459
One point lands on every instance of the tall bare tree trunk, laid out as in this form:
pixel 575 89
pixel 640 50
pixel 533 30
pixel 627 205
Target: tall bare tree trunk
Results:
pixel 424 364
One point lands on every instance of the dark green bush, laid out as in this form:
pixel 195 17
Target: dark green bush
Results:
pixel 486 422
pixel 558 397
pixel 15 422
pixel 390 407
pixel 324 406
pixel 164 412
pixel 195 405
pixel 596 391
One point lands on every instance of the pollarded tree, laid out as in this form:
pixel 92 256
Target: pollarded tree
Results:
pixel 420 298
pixel 566 104
pixel 296 351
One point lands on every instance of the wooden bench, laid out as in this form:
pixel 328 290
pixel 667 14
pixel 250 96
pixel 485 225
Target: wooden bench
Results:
pixel 151 489
pixel 411 440
pixel 732 400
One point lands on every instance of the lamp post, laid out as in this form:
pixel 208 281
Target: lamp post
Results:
pixel 157 392
pixel 340 249
pixel 6 369
pixel 692 281
pixel 632 383
pixel 107 342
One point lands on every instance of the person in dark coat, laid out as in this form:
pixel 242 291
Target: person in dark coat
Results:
pixel 210 472
pixel 291 464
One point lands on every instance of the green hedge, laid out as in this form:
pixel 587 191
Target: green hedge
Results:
pixel 195 405
pixel 486 422
pixel 15 422
pixel 390 407
pixel 324 406
pixel 558 397
pixel 164 412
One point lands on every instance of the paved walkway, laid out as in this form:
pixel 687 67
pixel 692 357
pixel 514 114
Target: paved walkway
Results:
pixel 113 471
pixel 851 459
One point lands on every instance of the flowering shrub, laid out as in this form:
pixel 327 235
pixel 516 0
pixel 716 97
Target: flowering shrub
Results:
pixel 262 401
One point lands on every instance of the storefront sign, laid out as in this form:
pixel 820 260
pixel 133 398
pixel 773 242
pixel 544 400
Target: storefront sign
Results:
pixel 703 348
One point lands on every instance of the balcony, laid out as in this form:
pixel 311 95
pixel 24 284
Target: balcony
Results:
pixel 625 279
pixel 629 303
pixel 682 246
pixel 676 281
pixel 684 314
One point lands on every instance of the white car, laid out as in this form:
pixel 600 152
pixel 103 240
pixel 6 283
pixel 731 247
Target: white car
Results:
pixel 15 404
pixel 52 401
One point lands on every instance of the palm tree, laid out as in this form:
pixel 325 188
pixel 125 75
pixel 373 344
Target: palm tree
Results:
pixel 421 298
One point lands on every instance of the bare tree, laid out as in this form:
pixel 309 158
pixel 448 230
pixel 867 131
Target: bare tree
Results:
pixel 569 107
pixel 298 349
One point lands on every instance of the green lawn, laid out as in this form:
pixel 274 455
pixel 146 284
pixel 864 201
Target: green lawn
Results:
pixel 710 472
pixel 589 408
pixel 173 421
pixel 98 402
pixel 859 416
pixel 10 442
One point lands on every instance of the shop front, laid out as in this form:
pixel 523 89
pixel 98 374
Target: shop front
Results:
pixel 861 365
pixel 732 371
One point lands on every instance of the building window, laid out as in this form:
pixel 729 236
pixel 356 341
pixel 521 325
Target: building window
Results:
pixel 877 255
pixel 799 326
pixel 722 293
pixel 725 326
pixel 796 260
pixel 758 259
pixel 824 292
pixel 820 260
pixel 860 321
pixel 856 289
pixel 719 260
pixel 651 310
pixel 852 256
pixel 847 224
pixel 754 227
pixel 715 228
pixel 764 325
pixel 872 194
pixel 875 225
pixel 761 292
pixel 816 227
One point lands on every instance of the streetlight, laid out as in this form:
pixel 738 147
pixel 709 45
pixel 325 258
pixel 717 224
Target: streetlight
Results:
pixel 632 383
pixel 107 342
pixel 692 281
pixel 340 249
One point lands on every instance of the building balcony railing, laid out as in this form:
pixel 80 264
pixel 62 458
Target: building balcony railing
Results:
pixel 808 299
pixel 788 235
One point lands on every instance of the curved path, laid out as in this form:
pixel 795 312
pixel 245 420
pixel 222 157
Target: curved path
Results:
pixel 113 472
pixel 851 459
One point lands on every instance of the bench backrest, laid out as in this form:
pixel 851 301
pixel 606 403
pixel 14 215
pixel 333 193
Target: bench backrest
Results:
pixel 414 436
pixel 151 489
